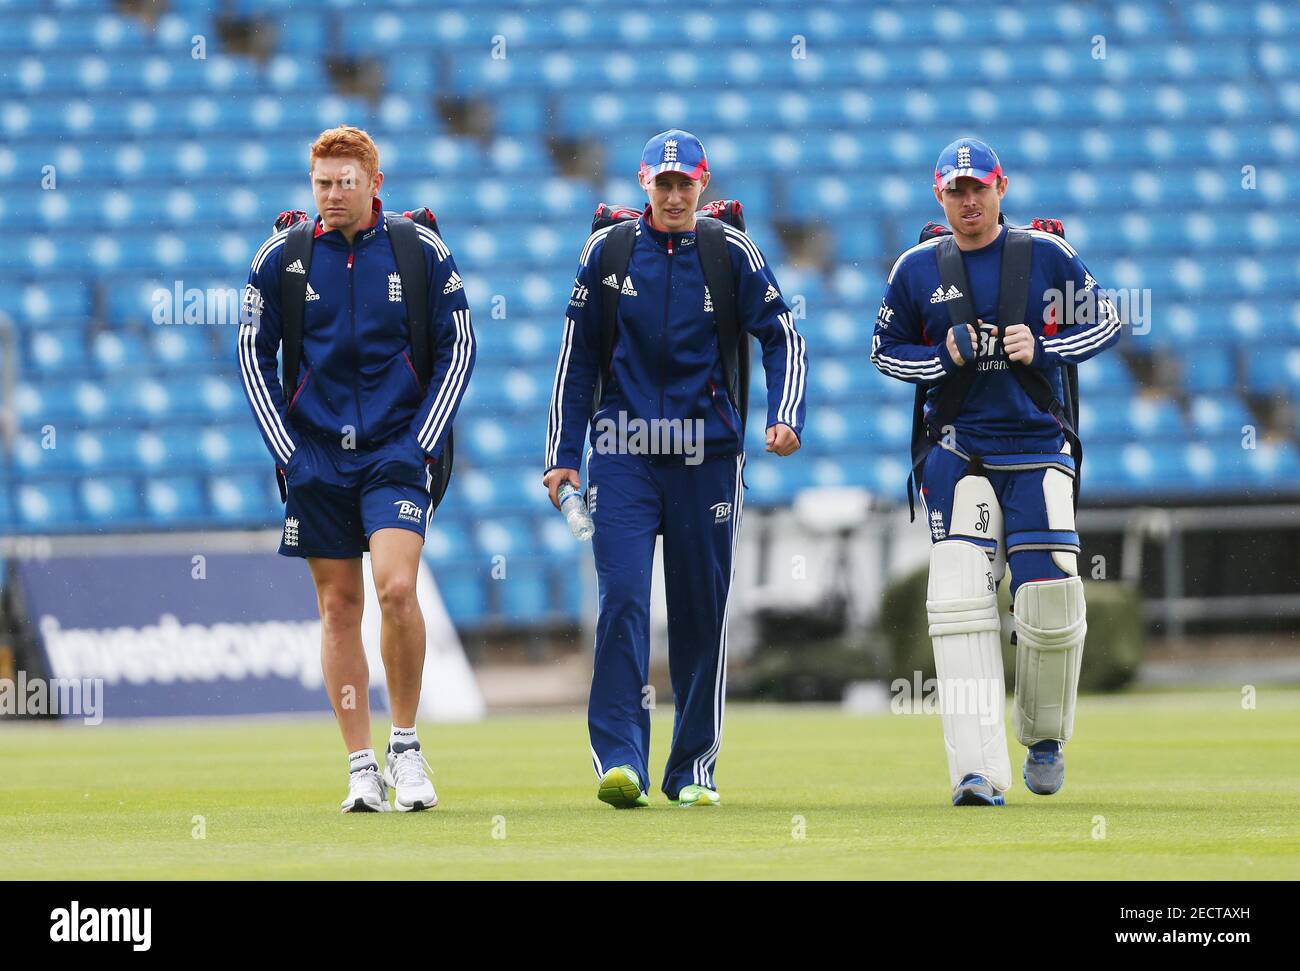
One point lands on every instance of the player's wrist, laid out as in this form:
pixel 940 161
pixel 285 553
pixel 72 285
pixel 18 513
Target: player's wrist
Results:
pixel 1042 356
pixel 945 357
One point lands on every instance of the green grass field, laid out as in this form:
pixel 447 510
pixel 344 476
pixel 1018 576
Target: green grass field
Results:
pixel 1176 785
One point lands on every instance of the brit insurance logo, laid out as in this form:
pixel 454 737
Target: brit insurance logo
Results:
pixel 408 511
pixel 578 298
pixel 253 302
pixel 721 512
pixel 884 315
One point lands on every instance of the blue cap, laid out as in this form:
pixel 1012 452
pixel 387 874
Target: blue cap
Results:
pixel 673 151
pixel 967 158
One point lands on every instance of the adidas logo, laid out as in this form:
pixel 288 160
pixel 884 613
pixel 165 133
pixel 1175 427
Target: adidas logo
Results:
pixel 454 283
pixel 708 301
pixel 295 267
pixel 771 294
pixel 312 294
pixel 628 290
pixel 611 281
pixel 939 296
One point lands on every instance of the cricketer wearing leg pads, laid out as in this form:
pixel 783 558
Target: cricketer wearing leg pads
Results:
pixel 1016 511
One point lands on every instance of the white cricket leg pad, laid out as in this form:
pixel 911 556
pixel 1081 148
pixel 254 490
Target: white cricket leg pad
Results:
pixel 962 603
pixel 1051 623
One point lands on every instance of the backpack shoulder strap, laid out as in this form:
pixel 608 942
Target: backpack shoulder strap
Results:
pixel 952 277
pixel 615 255
pixel 1013 288
pixel 715 259
pixel 408 251
pixel 293 298
pixel 1013 298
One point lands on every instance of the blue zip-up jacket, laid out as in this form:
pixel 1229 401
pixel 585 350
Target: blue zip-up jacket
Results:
pixel 356 371
pixel 666 363
pixel 997 417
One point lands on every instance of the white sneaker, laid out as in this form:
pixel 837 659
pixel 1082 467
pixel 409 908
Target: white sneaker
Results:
pixel 367 792
pixel 413 790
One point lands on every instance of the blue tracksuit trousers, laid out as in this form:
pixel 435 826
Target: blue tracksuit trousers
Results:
pixel 697 510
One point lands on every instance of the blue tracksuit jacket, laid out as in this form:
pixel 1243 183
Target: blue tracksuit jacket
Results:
pixel 356 369
pixel 912 325
pixel 666 363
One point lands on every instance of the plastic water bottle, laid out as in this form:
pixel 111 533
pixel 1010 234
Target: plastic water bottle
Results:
pixel 575 512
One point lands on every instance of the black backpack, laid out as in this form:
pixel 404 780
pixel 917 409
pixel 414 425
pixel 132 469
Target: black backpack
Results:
pixel 408 251
pixel 715 259
pixel 1013 298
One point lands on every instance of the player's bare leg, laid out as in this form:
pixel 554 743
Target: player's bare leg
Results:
pixel 395 561
pixel 340 597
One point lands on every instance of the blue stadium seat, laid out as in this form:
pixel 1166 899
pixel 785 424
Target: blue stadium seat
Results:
pixel 525 592
pixel 462 584
pixel 241 498
pixel 1270 371
pixel 48 505
pixel 174 499
pixel 113 501
pixel 55 352
pixel 1128 418
pixel 1213 416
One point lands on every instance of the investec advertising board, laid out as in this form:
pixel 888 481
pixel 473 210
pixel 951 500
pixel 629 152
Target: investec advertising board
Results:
pixel 224 634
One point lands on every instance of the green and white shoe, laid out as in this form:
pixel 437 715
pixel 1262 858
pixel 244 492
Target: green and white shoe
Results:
pixel 621 788
pixel 694 795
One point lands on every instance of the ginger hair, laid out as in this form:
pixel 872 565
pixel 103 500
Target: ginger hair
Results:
pixel 346 141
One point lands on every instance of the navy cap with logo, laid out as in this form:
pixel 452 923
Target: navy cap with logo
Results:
pixel 673 151
pixel 967 158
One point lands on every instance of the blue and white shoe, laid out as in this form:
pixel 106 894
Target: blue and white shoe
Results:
pixel 975 790
pixel 1045 768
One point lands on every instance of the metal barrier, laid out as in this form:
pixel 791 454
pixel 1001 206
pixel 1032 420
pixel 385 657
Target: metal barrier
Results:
pixel 1170 527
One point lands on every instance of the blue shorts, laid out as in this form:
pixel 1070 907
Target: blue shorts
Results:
pixel 338 497
pixel 1019 509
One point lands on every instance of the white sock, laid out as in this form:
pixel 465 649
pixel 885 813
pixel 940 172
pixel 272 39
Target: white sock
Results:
pixel 362 759
pixel 403 737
